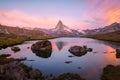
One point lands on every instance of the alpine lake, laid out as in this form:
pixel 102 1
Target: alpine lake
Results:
pixel 89 66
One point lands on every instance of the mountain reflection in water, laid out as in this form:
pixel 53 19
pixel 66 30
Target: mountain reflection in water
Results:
pixel 60 45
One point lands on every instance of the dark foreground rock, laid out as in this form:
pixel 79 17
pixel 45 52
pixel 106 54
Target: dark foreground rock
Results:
pixel 79 51
pixel 18 71
pixel 15 49
pixel 13 69
pixel 118 53
pixel 111 72
pixel 42 48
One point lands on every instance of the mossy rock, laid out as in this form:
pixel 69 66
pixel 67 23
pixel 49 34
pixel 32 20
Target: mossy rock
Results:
pixel 69 76
pixel 111 72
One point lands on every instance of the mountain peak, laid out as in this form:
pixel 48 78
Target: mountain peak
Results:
pixel 115 24
pixel 59 23
pixel 63 30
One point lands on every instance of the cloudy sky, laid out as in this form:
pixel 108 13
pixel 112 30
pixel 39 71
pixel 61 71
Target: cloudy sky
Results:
pixel 76 14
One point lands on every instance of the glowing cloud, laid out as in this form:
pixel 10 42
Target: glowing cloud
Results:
pixel 17 18
pixel 102 13
pixel 113 15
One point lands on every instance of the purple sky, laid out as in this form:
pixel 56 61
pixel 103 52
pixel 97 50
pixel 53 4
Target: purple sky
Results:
pixel 76 14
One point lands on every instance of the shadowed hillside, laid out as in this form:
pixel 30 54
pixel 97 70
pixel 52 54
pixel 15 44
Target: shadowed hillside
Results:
pixel 111 36
pixel 20 31
pixel 14 35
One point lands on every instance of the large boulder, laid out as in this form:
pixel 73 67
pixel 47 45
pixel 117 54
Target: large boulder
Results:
pixel 42 48
pixel 79 51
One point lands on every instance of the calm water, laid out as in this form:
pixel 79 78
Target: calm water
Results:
pixel 88 66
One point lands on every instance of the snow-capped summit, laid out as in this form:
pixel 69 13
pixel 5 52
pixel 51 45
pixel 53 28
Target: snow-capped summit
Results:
pixel 61 27
pixel 63 30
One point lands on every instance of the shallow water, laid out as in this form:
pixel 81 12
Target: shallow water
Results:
pixel 89 66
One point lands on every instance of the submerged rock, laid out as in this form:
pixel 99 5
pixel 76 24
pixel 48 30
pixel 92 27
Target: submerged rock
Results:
pixel 28 47
pixel 67 62
pixel 79 51
pixel 42 48
pixel 69 76
pixel 70 56
pixel 15 49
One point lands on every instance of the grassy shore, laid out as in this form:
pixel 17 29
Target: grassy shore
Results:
pixel 9 40
pixel 112 36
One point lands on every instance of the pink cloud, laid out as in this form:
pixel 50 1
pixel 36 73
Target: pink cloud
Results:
pixel 105 11
pixel 113 15
pixel 18 18
pixel 22 19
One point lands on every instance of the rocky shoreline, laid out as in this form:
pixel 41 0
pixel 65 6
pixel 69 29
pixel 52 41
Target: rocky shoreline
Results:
pixel 13 69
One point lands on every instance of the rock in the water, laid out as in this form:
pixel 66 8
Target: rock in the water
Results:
pixel 69 76
pixel 79 51
pixel 15 49
pixel 89 49
pixel 28 47
pixel 70 56
pixel 42 48
pixel 118 53
pixel 67 62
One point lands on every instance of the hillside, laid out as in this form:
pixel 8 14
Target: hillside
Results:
pixel 14 35
pixel 111 36
pixel 19 31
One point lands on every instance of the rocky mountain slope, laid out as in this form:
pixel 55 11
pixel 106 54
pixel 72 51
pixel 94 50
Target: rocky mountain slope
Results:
pixel 62 30
pixel 110 36
pixel 110 28
pixel 20 31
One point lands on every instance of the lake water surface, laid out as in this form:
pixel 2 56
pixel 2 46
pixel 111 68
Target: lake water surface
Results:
pixel 89 66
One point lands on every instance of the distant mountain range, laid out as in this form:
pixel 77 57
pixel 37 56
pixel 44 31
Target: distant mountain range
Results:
pixel 20 31
pixel 60 30
pixel 110 28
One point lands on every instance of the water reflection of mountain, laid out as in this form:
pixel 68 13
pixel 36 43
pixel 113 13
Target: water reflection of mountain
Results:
pixel 60 45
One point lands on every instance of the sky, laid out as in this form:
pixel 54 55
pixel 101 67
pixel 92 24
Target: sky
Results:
pixel 76 14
